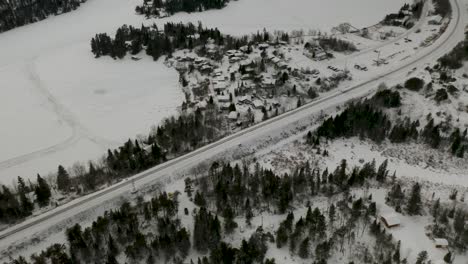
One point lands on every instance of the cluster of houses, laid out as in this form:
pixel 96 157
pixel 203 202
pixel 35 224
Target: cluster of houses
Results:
pixel 202 64
pixel 243 79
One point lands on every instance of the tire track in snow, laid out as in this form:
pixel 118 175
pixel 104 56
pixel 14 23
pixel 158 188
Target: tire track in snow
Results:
pixel 79 131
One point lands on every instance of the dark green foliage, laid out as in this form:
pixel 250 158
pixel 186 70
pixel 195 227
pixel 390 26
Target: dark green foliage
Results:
pixel 335 44
pixel 443 8
pixel 312 93
pixel 251 251
pixel 25 203
pixel 441 95
pixel 359 119
pixel 206 231
pixel 175 6
pixel 157 43
pixel 18 13
pixel 454 59
pixel 414 84
pixel 199 199
pixel 118 231
pixel 395 197
pixel 42 192
pixel 387 98
pixel 63 179
pixel 404 131
pixel 9 206
pixel 414 204
pixel 431 134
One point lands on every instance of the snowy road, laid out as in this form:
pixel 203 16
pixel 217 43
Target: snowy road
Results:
pixel 454 33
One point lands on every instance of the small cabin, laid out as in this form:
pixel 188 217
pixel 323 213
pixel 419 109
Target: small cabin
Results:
pixel 441 243
pixel 390 220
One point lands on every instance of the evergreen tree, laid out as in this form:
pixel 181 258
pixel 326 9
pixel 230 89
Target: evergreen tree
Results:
pixel 26 205
pixel 63 179
pixel 304 248
pixel 42 192
pixel 414 203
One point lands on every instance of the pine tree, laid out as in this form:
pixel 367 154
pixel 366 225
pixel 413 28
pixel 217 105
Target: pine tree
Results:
pixel 331 214
pixel 413 206
pixel 42 192
pixel 26 205
pixel 448 257
pixel 63 179
pixel 304 248
pixel 382 172
pixel 422 257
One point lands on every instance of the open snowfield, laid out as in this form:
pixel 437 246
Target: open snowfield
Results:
pixel 60 105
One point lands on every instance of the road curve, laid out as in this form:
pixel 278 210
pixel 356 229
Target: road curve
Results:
pixel 42 222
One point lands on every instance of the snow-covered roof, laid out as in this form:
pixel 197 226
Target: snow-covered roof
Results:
pixel 275 60
pixel 391 219
pixel 244 98
pixel 223 98
pixel 206 67
pixel 232 115
pixel 441 242
pixel 202 105
pixel 220 86
pixel 257 103
pixel 268 81
pixel 246 62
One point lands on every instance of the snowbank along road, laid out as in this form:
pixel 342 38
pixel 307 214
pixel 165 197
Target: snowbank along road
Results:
pixel 453 34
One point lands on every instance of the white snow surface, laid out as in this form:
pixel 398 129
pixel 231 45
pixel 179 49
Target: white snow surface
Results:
pixel 60 105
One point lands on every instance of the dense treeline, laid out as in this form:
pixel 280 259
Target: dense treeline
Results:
pixel 443 7
pixel 455 58
pixel 121 231
pixel 156 42
pixel 149 231
pixel 234 191
pixel 15 206
pixel 163 42
pixel 367 120
pixel 358 119
pixel 158 8
pixel 335 44
pixel 394 19
pixel 15 13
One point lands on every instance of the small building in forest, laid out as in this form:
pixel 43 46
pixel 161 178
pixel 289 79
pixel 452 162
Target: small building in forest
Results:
pixel 441 243
pixel 390 220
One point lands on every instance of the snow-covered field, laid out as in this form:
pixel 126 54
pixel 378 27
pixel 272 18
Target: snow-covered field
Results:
pixel 60 105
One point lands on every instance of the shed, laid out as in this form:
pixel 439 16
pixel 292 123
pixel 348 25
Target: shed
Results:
pixel 441 243
pixel 390 220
